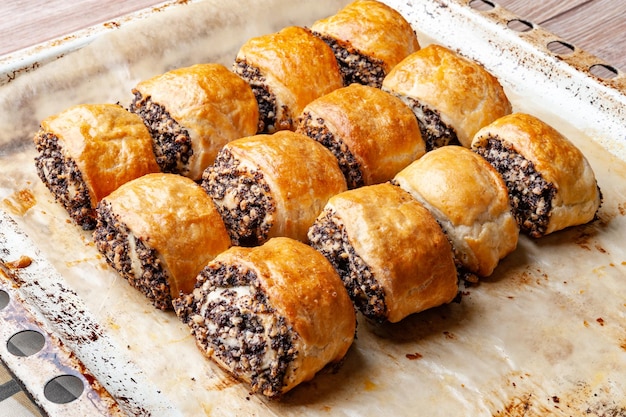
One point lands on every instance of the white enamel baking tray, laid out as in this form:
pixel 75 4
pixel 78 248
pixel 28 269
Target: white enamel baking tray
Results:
pixel 543 335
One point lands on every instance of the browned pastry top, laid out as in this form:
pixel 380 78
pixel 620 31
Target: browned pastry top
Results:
pixel 302 286
pixel 109 145
pixel 173 215
pixel 402 244
pixel 378 128
pixel 470 200
pixel 212 103
pixel 466 95
pixel 299 66
pixel 301 173
pixel 557 159
pixel 373 29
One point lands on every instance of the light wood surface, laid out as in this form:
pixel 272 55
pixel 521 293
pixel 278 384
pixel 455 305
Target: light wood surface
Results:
pixel 27 23
pixel 596 26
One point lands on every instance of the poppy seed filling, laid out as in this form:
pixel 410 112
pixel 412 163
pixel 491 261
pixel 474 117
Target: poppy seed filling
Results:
pixel 62 177
pixel 315 128
pixel 242 197
pixel 265 99
pixel 232 320
pixel 434 131
pixel 171 142
pixel 131 257
pixel 355 67
pixel 530 194
pixel 330 238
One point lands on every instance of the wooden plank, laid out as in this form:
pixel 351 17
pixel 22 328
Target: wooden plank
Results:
pixel 598 27
pixel 25 23
pixel 595 26
pixel 539 12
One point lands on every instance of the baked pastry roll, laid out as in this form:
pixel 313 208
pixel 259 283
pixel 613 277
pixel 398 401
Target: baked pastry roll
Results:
pixel 286 71
pixel 470 201
pixel 272 185
pixel 158 232
pixel 372 134
pixel 272 316
pixel 89 150
pixel 551 185
pixel 391 254
pixel 192 112
pixel 452 97
pixel 368 38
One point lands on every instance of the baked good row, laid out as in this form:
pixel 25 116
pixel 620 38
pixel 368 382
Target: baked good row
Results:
pixel 280 81
pixel 267 203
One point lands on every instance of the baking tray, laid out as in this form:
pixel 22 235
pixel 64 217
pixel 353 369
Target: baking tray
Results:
pixel 543 335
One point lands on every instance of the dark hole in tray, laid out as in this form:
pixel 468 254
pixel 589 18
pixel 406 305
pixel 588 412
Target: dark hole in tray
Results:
pixel 482 5
pixel 519 25
pixel 4 299
pixel 560 48
pixel 25 343
pixel 63 389
pixel 606 72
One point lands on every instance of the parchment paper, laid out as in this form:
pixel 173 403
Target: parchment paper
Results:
pixel 543 335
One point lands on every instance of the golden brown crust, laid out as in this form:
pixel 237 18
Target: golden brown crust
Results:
pixel 212 103
pixel 301 173
pixel 470 200
pixel 379 130
pixel 297 66
pixel 110 145
pixel 302 286
pixel 373 29
pixel 402 244
pixel 174 216
pixel 466 95
pixel 557 159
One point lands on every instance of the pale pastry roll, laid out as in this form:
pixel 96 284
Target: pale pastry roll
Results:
pixel 286 70
pixel 272 185
pixel 470 201
pixel 551 184
pixel 452 97
pixel 391 254
pixel 158 232
pixel 372 134
pixel 272 315
pixel 87 151
pixel 368 38
pixel 192 112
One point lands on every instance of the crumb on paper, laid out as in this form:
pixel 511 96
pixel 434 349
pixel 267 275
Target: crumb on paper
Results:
pixel 413 356
pixel 20 202
pixel 23 262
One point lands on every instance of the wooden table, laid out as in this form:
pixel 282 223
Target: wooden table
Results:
pixel 596 26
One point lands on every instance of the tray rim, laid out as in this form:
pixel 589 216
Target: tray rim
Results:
pixel 33 58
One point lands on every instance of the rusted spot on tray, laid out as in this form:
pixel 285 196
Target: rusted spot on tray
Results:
pixel 55 358
pixel 10 274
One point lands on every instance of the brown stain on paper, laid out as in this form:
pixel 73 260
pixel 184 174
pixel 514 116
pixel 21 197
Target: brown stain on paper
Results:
pixel 20 202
